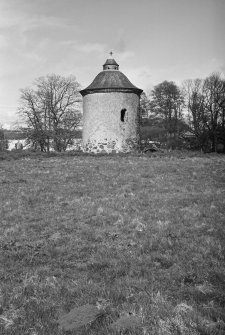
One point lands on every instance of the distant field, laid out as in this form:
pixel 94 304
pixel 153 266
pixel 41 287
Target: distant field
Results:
pixel 145 234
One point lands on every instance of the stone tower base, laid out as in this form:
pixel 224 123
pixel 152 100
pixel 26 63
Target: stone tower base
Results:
pixel 111 122
pixel 111 146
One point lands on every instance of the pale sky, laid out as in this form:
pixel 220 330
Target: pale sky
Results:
pixel 152 41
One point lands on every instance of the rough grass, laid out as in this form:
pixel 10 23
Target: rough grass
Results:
pixel 144 234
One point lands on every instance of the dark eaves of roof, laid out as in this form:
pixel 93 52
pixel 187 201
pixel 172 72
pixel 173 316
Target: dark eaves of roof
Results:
pixel 111 81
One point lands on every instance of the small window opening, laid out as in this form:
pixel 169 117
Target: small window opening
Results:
pixel 122 114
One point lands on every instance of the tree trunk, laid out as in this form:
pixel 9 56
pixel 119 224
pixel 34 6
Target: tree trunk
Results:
pixel 214 143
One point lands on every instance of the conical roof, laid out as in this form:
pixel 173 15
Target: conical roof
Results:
pixel 110 61
pixel 111 80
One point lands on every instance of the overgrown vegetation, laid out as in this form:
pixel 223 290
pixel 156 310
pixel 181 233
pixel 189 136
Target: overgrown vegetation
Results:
pixel 191 116
pixel 144 235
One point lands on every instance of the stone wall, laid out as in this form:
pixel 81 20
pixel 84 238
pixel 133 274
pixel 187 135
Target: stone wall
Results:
pixel 103 130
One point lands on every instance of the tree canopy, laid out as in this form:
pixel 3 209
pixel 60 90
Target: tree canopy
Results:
pixel 163 109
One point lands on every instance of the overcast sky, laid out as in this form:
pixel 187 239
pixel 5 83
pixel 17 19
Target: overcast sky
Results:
pixel 152 41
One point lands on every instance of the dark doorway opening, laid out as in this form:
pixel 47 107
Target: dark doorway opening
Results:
pixel 122 114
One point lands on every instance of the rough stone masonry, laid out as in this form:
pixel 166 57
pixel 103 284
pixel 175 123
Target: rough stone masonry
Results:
pixel 111 107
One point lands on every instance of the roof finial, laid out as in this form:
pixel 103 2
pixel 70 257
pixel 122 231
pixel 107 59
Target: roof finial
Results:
pixel 110 63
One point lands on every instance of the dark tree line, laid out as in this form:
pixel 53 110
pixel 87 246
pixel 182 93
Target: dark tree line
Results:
pixel 3 140
pixel 189 116
pixel 192 115
pixel 164 121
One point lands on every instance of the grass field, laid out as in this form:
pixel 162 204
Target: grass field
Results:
pixel 143 236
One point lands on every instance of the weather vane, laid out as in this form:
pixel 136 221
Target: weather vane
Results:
pixel 111 53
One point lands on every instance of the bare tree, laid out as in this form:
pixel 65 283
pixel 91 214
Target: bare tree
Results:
pixel 214 103
pixel 51 111
pixel 205 100
pixel 144 106
pixel 194 100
